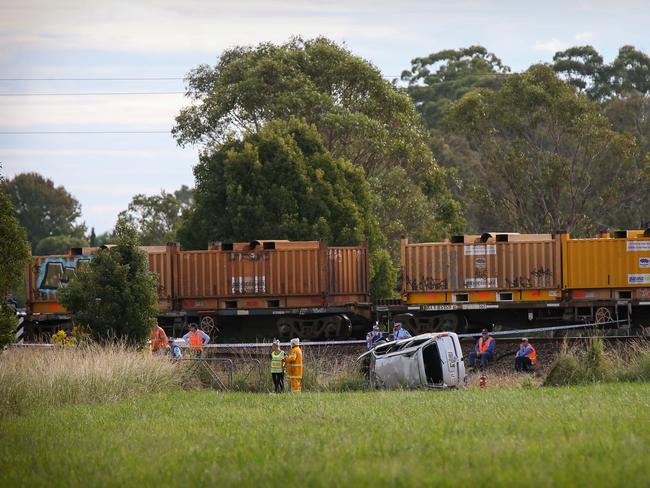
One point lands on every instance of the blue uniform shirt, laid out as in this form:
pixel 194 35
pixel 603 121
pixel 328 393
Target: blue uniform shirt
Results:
pixel 372 337
pixel 402 334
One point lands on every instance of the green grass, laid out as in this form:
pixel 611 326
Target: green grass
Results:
pixel 596 435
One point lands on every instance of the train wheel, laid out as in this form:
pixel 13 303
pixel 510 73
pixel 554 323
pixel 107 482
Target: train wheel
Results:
pixel 285 329
pixel 603 315
pixel 207 325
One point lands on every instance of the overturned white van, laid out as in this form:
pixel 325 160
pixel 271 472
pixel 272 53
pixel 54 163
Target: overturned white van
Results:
pixel 429 360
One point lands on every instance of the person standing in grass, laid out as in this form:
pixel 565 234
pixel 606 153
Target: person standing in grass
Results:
pixel 483 350
pixel 159 341
pixel 294 366
pixel 526 356
pixel 277 366
pixel 196 339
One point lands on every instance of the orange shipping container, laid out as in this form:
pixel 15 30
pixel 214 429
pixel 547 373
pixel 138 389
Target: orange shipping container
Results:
pixel 494 264
pixel 309 273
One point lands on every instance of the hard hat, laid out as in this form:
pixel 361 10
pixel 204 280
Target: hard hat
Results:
pixel 375 327
pixel 295 341
pixel 523 339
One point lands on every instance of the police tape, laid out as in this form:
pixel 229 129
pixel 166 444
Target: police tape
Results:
pixel 244 345
pixel 545 329
pixel 522 332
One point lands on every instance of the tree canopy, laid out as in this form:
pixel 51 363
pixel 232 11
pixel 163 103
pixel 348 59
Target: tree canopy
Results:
pixel 43 209
pixel 58 245
pixel 437 80
pixel 115 296
pixel 14 255
pixel 584 68
pixel 360 117
pixel 550 159
pixel 158 217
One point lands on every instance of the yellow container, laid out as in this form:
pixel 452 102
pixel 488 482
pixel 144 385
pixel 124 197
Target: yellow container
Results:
pixel 606 263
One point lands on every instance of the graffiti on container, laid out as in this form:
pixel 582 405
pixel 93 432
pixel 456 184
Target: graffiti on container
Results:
pixel 426 283
pixel 538 278
pixel 53 273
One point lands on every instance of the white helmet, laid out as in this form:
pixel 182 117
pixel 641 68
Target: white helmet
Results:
pixel 295 341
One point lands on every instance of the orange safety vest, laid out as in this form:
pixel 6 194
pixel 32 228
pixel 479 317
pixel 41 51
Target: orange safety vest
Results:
pixel 158 338
pixel 532 355
pixel 294 363
pixel 483 345
pixel 196 341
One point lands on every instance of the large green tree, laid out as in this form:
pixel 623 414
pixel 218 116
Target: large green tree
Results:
pixel 629 113
pixel 281 183
pixel 115 297
pixel 43 209
pixel 583 67
pixel 439 79
pixel 14 255
pixel 360 116
pixel 158 217
pixel 550 159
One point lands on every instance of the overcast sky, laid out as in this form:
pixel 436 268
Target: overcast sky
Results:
pixel 144 39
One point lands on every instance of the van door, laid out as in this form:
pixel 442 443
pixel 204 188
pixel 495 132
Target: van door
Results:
pixel 401 368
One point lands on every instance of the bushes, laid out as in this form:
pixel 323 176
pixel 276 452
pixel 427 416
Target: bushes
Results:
pixel 594 364
pixel 90 373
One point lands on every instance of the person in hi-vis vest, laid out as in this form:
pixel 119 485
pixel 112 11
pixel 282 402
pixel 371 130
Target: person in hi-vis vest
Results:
pixel 277 366
pixel 294 366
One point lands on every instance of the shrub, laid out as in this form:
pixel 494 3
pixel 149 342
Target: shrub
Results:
pixel 8 325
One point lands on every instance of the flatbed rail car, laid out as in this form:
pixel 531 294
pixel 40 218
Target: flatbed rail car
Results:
pixel 257 288
pixel 471 282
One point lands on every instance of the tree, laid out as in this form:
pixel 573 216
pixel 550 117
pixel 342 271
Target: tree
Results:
pixel 549 157
pixel 582 67
pixel 360 116
pixel 58 245
pixel 437 80
pixel 116 295
pixel 629 113
pixel 43 209
pixel 281 183
pixel 157 217
pixel 630 71
pixel 14 255
pixel 92 238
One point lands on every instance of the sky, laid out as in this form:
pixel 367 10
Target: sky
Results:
pixel 51 51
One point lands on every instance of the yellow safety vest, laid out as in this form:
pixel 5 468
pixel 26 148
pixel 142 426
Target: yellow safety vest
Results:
pixel 276 361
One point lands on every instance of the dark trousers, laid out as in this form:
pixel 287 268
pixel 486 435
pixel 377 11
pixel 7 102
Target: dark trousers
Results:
pixel 485 357
pixel 522 363
pixel 278 382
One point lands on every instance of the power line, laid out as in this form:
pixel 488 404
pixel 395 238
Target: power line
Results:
pixel 41 132
pixel 74 94
pixel 150 78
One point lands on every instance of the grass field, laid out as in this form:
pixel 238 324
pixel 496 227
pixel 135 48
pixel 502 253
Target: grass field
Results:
pixel 597 435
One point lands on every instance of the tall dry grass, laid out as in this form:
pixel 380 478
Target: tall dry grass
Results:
pixel 596 363
pixel 90 373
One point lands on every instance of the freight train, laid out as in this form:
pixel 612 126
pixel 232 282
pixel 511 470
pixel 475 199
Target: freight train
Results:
pixel 315 291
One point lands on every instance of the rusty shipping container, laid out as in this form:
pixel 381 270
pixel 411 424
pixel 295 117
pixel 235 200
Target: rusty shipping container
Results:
pixel 270 274
pixel 479 268
pixel 618 266
pixel 46 274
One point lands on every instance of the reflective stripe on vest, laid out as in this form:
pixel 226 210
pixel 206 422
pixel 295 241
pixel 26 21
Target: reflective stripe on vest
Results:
pixel 483 345
pixel 196 341
pixel 532 355
pixel 276 361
